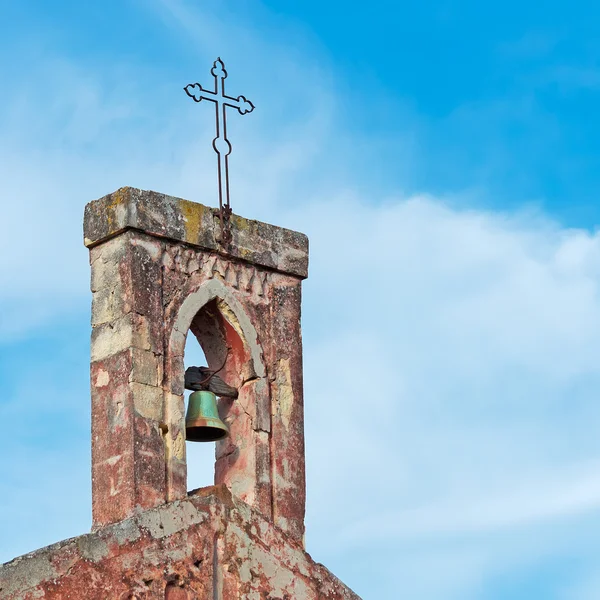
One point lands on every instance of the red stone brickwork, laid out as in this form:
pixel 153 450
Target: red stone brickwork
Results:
pixel 159 274
pixel 206 547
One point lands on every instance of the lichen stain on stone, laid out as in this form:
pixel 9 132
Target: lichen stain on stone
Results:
pixel 245 253
pixel 230 316
pixel 192 216
pixel 118 201
pixel 285 392
pixel 240 223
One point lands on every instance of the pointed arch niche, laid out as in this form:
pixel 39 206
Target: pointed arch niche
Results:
pixel 212 317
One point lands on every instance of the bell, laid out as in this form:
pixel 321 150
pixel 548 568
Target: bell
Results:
pixel 202 422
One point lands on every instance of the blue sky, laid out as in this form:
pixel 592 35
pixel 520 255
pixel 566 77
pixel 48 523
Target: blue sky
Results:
pixel 443 159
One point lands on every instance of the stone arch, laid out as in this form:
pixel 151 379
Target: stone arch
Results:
pixel 232 311
pixel 217 318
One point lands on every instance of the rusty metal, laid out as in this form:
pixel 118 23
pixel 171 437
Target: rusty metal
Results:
pixel 202 421
pixel 221 144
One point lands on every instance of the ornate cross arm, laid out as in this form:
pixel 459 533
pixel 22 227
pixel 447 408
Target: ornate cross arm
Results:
pixel 221 144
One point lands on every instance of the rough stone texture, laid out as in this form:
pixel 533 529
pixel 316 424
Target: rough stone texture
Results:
pixel 149 289
pixel 158 274
pixel 177 219
pixel 127 350
pixel 207 546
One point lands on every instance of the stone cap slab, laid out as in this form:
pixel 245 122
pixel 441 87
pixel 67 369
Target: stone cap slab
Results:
pixel 197 225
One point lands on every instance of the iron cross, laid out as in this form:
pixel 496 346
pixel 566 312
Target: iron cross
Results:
pixel 221 144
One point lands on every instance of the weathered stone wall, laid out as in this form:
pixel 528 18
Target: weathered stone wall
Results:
pixel 157 272
pixel 207 546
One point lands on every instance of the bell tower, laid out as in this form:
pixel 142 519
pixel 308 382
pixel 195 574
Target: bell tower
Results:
pixel 160 272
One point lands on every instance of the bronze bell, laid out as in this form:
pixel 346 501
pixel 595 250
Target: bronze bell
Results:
pixel 202 422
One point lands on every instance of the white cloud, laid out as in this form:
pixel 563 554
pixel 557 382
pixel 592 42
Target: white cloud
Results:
pixel 450 389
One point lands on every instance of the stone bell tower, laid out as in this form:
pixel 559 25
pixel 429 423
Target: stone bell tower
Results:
pixel 159 274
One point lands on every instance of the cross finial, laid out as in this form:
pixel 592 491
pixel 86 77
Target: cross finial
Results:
pixel 221 144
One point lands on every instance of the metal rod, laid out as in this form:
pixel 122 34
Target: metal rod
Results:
pixel 221 144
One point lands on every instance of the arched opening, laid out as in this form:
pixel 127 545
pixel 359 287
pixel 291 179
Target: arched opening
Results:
pixel 213 341
pixel 213 315
pixel 200 457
